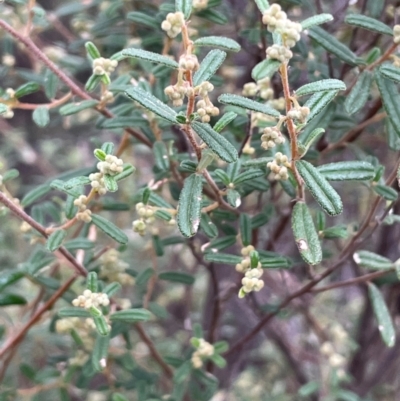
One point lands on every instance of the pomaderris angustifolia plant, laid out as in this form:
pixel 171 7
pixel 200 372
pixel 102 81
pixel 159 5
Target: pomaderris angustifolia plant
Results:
pixel 206 206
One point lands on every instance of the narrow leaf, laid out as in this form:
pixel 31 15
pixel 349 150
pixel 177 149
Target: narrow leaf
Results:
pixel 216 142
pixel 390 71
pixel 305 234
pixel 245 229
pixel 316 20
pixel 184 6
pixel 372 24
pixel 265 69
pixel 11 299
pixel 26 89
pixel 351 170
pixel 35 194
pixel 247 175
pixel 189 209
pixel 233 197
pixel 320 189
pixel 209 228
pixel 77 182
pixel 209 66
pixel 224 121
pixel 110 229
pixel 321 86
pixel 144 19
pixel 161 156
pixel 110 183
pixel 131 315
pixel 318 101
pixel 55 240
pixel 332 45
pixel 358 96
pixel 73 312
pixel 99 353
pixel 101 325
pixel 372 260
pixel 92 50
pixel 92 282
pixel 248 104
pixel 225 258
pixel 314 135
pixel 177 277
pixel 41 116
pixel 150 56
pixel 218 41
pixel 385 324
pixel 74 108
pixel 386 192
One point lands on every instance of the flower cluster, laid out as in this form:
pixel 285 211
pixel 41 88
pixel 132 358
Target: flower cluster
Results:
pixel 189 62
pixel 97 183
pixel 205 107
pixel 102 66
pixel 251 281
pixel 396 34
pixel 200 4
pixel 178 92
pixel 280 53
pixel 112 165
pixel 107 97
pixel 278 22
pixel 244 265
pixel 248 150
pixel 114 269
pixel 299 113
pixel 204 350
pixel 279 166
pixel 271 137
pixel 8 60
pixel 146 212
pixel 262 87
pixel 91 299
pixel 84 328
pixel 83 214
pixel 173 24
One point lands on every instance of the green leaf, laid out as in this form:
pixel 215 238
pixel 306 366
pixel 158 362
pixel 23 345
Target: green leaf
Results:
pixel 386 192
pixel 385 324
pixel 51 82
pixel 262 5
pixel 110 183
pixel 265 69
pixel 219 244
pixel 316 20
pixel 213 15
pixel 55 240
pixel 275 262
pixel 131 315
pixel 184 6
pixel 248 104
pixel 144 19
pixel 26 89
pixel 218 360
pixel 161 156
pixel 372 24
pixel 151 57
pixel 35 194
pixel 260 162
pixel 321 86
pixel 108 148
pixel 150 102
pixel 320 189
pixel 209 228
pixel 209 66
pixel 234 198
pixel 10 175
pixel 177 277
pixel 218 41
pixel 99 353
pixel 121 122
pixel 112 288
pixel 163 215
pixel 332 45
pixel 99 154
pixel 225 258
pixel 118 397
pixel 77 182
pixel 390 71
pixel 350 170
pixel 92 50
pixel 9 277
pixel 310 139
pixel 358 96
pixel 224 121
pixel 11 299
pixel 73 312
pixel 41 116
pixel 318 101
pixel 126 172
pixel 247 175
pixel 92 282
pixel 216 142
pixel 101 325
pixel 390 99
pixel 372 260
pixel 245 229
pixel 74 108
pixel 110 229
pixel 305 234
pixel 189 209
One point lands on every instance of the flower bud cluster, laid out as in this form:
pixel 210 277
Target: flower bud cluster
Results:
pixel 83 214
pixel 204 106
pixel 244 265
pixel 91 299
pixel 178 92
pixel 112 165
pixel 299 113
pixel 262 86
pixel 271 137
pixel 278 22
pixel 173 24
pixel 335 359
pixel 251 281
pixel 146 212
pixel 279 166
pixel 9 113
pixel 189 62
pixel 204 350
pixel 248 150
pixel 8 60
pixel 200 4
pixel 25 227
pixel 97 183
pixel 280 53
pixel 84 328
pixel 107 97
pixel 396 34
pixel 103 66
pixel 114 269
